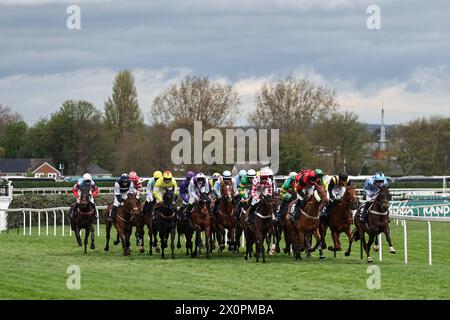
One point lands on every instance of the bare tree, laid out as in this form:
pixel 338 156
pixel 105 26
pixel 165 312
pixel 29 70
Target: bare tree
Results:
pixel 292 104
pixel 196 98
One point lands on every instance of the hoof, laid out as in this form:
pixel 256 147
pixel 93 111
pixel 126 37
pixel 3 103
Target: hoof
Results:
pixel 116 243
pixel 369 260
pixel 392 250
pixel 79 243
pixel 331 248
pixel 322 257
pixel 106 248
pixel 157 249
pixel 347 254
pixel 376 248
pixel 141 250
pixel 92 246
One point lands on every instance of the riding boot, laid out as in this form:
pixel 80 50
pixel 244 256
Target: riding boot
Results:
pixel 251 214
pixel 280 212
pixel 216 206
pixel 237 211
pixel 73 211
pixel 112 215
pixel 188 209
pixel 362 218
pixel 300 203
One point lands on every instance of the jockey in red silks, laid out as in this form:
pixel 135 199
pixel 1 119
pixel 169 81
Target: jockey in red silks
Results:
pixel 305 185
pixel 136 183
pixel 85 182
pixel 261 184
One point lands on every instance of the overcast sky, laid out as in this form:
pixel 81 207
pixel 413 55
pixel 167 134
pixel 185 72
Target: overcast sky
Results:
pixel 245 43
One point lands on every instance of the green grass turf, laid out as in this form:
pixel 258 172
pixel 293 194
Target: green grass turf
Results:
pixel 34 267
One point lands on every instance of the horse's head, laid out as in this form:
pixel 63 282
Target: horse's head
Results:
pixel 226 191
pixel 204 203
pixel 320 196
pixel 169 198
pixel 133 205
pixel 266 203
pixel 85 198
pixel 351 197
pixel 383 198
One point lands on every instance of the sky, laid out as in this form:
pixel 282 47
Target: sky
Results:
pixel 245 43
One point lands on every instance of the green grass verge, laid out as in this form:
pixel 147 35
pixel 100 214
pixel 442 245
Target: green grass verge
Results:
pixel 34 267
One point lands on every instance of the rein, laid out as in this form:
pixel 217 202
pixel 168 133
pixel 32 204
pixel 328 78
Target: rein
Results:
pixel 308 216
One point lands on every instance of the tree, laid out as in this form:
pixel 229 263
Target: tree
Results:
pixel 13 138
pixel 343 137
pixel 196 98
pixel 6 116
pixel 72 134
pixel 122 112
pixel 292 104
pixel 35 142
pixel 295 152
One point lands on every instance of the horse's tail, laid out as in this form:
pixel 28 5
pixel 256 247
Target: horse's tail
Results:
pixel 355 234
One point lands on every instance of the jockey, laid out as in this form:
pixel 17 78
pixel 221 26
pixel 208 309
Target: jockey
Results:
pixel 261 184
pixel 371 187
pixel 167 181
pixel 212 182
pixel 305 183
pixel 274 182
pixel 237 181
pixel 225 178
pixel 85 182
pixel 184 187
pixel 136 182
pixel 286 194
pixel 336 189
pixel 150 201
pixel 244 188
pixel 197 186
pixel 122 188
pixel 320 178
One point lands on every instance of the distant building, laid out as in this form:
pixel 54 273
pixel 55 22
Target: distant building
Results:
pixel 39 168
pixel 95 171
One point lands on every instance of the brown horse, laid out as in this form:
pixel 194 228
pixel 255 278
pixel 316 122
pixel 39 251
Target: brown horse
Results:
pixel 225 218
pixel 130 210
pixel 147 220
pixel 307 224
pixel 376 222
pixel 340 220
pixel 202 221
pixel 84 219
pixel 184 226
pixel 263 225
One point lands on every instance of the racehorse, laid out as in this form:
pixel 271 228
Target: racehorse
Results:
pixel 225 218
pixel 165 221
pixel 340 220
pixel 84 219
pixel 184 226
pixel 130 210
pixel 202 221
pixel 307 224
pixel 151 228
pixel 376 222
pixel 263 225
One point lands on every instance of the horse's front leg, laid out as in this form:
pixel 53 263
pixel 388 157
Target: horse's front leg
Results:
pixel 92 237
pixel 318 242
pixel 86 238
pixel 108 235
pixel 77 235
pixel 172 241
pixel 369 244
pixel 387 232
pixel 348 232
pixel 207 240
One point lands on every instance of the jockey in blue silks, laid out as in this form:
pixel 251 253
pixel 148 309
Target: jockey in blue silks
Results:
pixel 372 186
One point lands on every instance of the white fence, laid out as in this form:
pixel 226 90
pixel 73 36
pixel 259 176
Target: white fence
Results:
pixel 47 214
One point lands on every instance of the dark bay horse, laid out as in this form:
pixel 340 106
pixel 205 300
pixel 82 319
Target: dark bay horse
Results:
pixel 340 220
pixel 165 221
pixel 263 226
pixel 126 215
pixel 151 228
pixel 84 219
pixel 376 222
pixel 202 221
pixel 225 218
pixel 184 226
pixel 307 224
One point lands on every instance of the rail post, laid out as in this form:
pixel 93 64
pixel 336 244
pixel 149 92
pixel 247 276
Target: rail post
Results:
pixel 39 223
pixel 405 241
pixel 430 262
pixel 24 223
pixel 54 223
pixel 46 223
pixel 30 222
pixel 62 222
